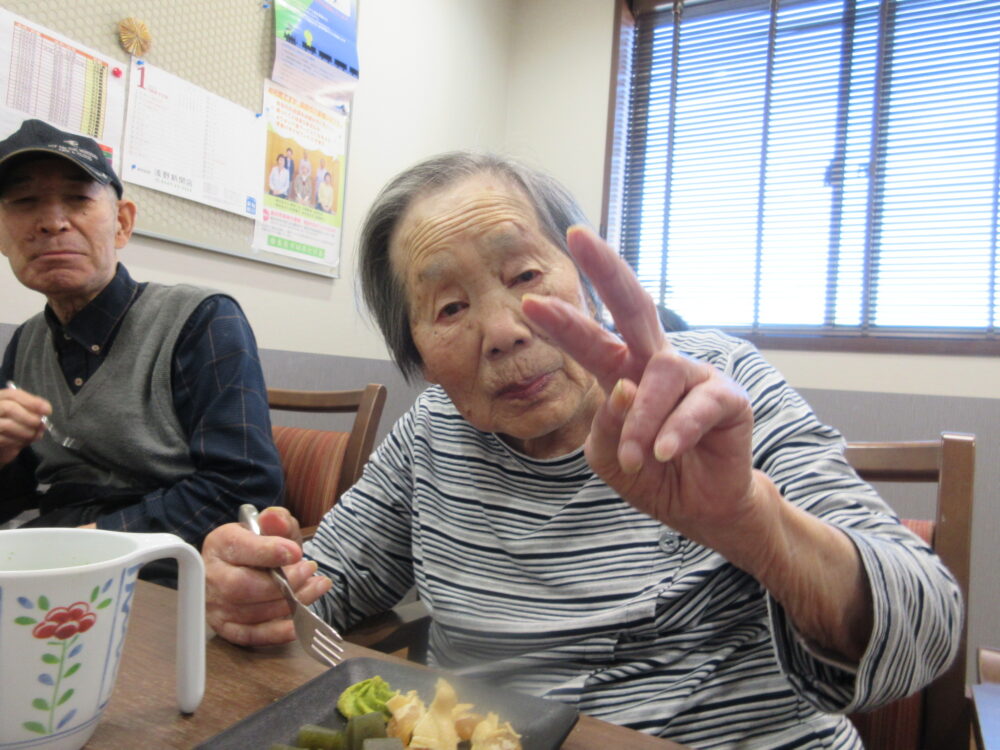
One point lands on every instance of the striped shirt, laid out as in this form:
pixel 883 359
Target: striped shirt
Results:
pixel 541 567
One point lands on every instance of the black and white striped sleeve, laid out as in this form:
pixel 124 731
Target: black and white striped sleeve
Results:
pixel 917 603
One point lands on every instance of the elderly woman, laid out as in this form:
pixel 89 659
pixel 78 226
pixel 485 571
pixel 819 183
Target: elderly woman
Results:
pixel 326 194
pixel 302 182
pixel 654 529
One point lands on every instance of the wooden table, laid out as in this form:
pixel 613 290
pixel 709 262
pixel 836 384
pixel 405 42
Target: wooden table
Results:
pixel 143 710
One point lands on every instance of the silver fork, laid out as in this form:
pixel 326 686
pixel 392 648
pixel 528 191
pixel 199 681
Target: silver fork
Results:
pixel 317 637
pixel 56 434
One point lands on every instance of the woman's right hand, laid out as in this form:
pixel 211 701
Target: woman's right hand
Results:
pixel 243 603
pixel 20 421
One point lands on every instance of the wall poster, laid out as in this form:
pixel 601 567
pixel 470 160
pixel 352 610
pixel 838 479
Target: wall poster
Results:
pixel 302 178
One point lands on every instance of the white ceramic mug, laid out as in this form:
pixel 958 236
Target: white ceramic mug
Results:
pixel 65 597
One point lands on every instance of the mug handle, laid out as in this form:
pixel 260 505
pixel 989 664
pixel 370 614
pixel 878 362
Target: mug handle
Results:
pixel 190 613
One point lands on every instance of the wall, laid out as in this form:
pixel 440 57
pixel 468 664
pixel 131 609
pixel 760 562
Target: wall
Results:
pixel 531 77
pixel 558 95
pixel 434 77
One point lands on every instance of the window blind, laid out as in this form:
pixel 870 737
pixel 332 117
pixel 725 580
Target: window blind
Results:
pixel 816 167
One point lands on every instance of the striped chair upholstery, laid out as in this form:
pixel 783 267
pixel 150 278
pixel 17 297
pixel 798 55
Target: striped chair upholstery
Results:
pixel 312 461
pixel 319 465
pixel 938 716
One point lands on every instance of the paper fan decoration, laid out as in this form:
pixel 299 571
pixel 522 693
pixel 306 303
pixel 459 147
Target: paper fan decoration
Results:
pixel 134 36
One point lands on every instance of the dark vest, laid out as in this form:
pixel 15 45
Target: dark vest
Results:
pixel 124 415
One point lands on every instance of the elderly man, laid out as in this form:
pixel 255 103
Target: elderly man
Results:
pixel 159 388
pixel 653 528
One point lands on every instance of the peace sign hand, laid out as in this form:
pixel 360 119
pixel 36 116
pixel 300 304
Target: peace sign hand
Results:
pixel 673 437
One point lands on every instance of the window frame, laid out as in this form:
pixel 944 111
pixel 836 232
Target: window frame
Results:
pixel 885 341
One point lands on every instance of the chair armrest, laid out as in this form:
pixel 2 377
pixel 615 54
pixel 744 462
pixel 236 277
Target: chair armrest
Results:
pixel 402 629
pixel 308 532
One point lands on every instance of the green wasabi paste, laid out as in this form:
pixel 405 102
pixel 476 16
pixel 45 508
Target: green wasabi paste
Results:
pixel 365 697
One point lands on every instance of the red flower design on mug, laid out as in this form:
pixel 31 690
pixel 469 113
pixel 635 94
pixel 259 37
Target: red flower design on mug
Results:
pixel 65 622
pixel 60 629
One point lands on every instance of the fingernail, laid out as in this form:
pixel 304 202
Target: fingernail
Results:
pixel 665 448
pixel 630 457
pixel 286 557
pixel 619 399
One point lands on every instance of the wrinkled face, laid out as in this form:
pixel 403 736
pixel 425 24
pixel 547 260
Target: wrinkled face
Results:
pixel 466 254
pixel 61 230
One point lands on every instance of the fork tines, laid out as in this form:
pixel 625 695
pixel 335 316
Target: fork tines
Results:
pixel 318 637
pixel 325 647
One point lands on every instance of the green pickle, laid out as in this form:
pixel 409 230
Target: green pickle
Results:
pixel 316 737
pixel 364 727
pixel 364 697
pixel 363 705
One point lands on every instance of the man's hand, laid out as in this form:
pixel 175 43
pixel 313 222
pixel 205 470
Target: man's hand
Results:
pixel 20 421
pixel 243 604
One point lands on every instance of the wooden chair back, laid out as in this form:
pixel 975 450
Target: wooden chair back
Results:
pixel 319 465
pixel 938 716
pixel 987 664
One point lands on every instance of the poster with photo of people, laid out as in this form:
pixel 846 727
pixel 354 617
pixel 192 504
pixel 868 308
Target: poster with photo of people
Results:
pixel 303 178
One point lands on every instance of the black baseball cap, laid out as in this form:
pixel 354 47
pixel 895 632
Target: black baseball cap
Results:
pixel 38 137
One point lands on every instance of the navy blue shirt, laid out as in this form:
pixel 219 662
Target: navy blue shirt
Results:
pixel 220 400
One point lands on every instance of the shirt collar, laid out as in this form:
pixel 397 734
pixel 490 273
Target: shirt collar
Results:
pixel 96 324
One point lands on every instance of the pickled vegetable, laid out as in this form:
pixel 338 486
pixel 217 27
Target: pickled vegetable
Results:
pixel 491 735
pixel 361 728
pixel 316 737
pixel 436 728
pixel 406 711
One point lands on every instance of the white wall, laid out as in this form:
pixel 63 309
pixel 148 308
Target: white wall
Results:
pixel 434 77
pixel 558 98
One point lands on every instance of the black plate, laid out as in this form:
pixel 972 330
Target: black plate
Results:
pixel 542 724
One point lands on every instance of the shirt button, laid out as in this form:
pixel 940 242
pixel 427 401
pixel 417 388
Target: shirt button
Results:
pixel 95 348
pixel 77 381
pixel 670 541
